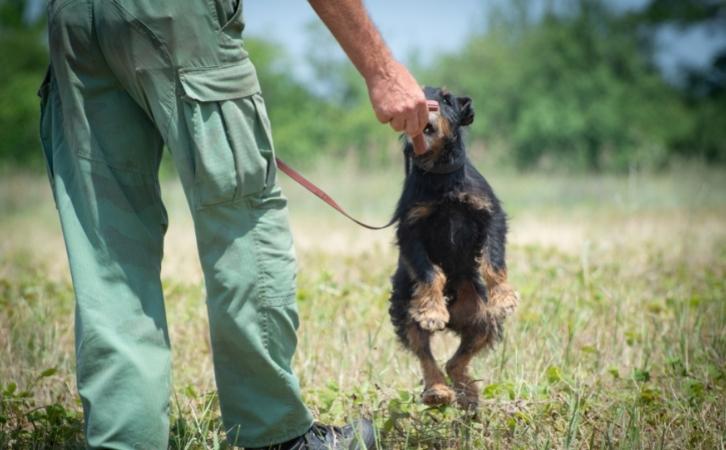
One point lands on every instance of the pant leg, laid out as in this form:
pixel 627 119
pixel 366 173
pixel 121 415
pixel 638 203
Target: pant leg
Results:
pixel 186 62
pixel 246 250
pixel 103 154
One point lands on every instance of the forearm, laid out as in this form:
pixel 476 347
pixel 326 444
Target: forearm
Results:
pixel 357 35
pixel 395 95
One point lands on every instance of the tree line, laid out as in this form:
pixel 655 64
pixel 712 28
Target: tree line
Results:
pixel 573 87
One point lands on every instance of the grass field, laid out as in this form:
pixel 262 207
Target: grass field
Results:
pixel 619 340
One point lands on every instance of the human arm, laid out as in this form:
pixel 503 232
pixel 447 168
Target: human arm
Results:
pixel 395 95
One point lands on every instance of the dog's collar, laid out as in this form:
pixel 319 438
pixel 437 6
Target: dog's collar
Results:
pixel 443 169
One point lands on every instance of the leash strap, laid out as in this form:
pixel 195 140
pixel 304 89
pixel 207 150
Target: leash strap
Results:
pixel 322 195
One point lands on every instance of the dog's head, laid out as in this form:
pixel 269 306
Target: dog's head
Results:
pixel 443 132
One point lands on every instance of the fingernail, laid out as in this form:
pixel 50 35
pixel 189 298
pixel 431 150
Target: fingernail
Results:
pixel 433 105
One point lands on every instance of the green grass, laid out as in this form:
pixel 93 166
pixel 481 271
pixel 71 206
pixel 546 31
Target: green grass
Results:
pixel 619 340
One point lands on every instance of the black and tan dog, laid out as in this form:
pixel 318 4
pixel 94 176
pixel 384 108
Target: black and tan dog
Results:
pixel 451 270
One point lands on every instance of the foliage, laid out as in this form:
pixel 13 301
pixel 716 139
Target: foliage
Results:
pixel 300 120
pixel 327 118
pixel 26 424
pixel 704 89
pixel 573 86
pixel 23 61
pixel 619 341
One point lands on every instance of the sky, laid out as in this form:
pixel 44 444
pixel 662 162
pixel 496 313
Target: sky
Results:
pixel 406 25
pixel 428 27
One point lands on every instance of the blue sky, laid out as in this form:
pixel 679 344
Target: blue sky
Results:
pixel 406 25
pixel 428 27
pixel 431 26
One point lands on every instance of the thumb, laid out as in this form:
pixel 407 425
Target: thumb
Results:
pixel 419 144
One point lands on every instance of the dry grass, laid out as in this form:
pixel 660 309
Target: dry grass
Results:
pixel 619 341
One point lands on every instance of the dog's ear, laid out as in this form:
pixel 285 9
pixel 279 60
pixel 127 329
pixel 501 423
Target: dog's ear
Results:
pixel 466 111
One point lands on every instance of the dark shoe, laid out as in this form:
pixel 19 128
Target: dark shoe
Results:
pixel 359 435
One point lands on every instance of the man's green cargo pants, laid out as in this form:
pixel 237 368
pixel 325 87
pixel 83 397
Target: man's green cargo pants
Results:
pixel 127 78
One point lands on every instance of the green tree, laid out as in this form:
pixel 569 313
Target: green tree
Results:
pixel 704 89
pixel 328 116
pixel 23 61
pixel 574 87
pixel 294 111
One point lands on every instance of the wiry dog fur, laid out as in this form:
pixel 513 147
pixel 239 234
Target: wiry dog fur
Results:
pixel 451 269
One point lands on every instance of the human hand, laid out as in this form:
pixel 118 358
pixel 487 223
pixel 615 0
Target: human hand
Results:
pixel 398 100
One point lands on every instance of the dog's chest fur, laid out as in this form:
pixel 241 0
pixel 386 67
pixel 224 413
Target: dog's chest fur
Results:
pixel 454 234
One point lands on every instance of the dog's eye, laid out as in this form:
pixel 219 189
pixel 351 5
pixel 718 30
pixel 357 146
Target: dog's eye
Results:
pixel 446 100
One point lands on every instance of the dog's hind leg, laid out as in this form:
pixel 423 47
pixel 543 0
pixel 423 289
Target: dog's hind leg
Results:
pixel 435 392
pixel 416 339
pixel 478 330
pixel 467 393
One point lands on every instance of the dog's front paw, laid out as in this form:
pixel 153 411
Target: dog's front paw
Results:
pixel 438 394
pixel 428 304
pixel 431 318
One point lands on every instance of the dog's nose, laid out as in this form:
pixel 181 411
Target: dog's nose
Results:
pixel 429 129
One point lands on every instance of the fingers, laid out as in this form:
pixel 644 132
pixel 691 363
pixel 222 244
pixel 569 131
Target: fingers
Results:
pixel 398 123
pixel 412 119
pixel 413 123
pixel 415 126
pixel 419 144
pixel 382 116
pixel 423 113
pixel 399 100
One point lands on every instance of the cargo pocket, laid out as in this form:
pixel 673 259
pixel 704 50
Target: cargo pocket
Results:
pixel 280 323
pixel 231 146
pixel 275 263
pixel 46 127
pixel 274 253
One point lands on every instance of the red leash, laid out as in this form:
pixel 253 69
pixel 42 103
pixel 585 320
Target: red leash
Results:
pixel 310 186
pixel 321 194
